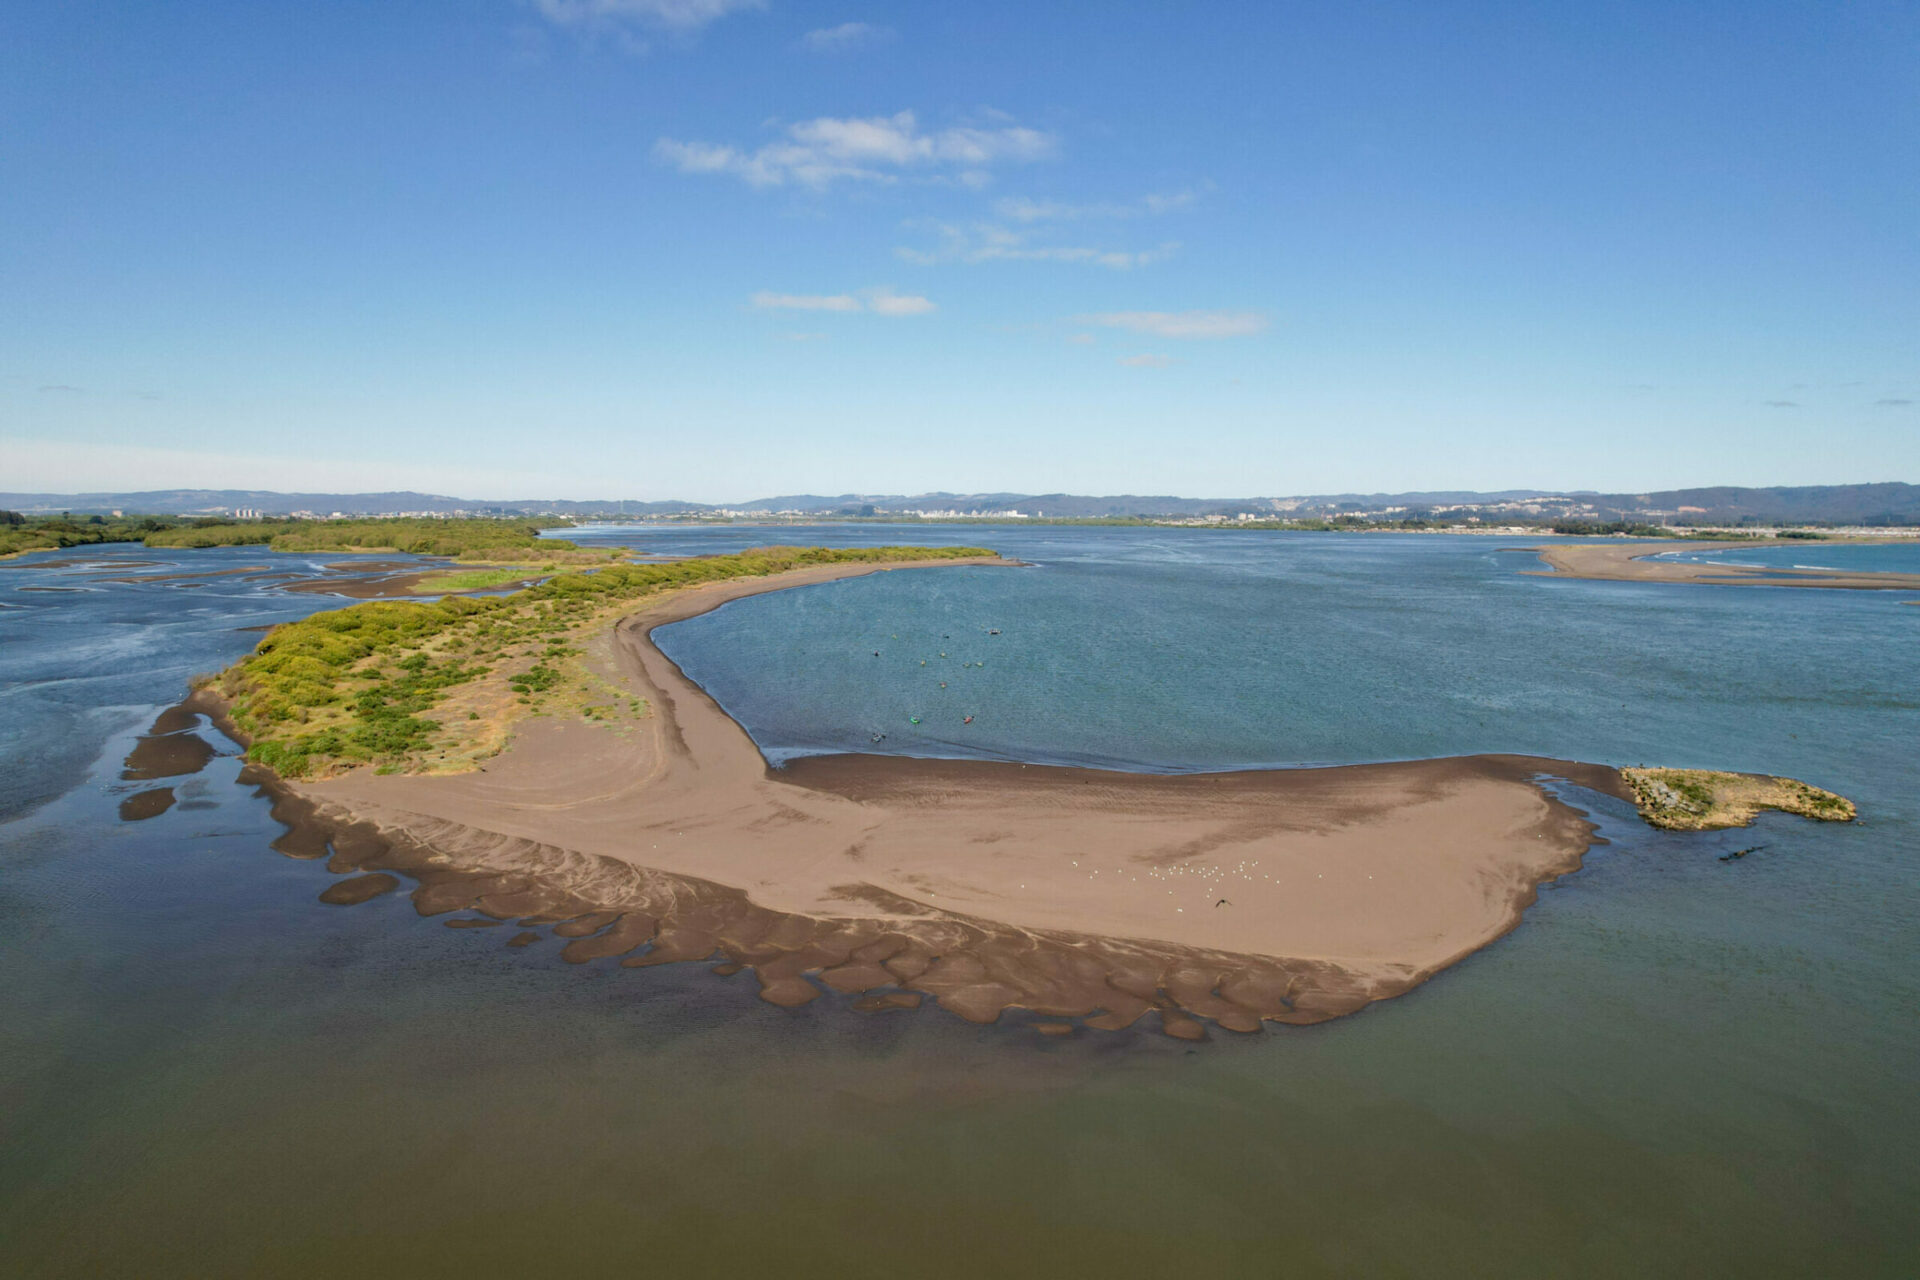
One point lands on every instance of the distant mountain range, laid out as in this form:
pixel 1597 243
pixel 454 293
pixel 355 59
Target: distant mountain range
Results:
pixel 1847 504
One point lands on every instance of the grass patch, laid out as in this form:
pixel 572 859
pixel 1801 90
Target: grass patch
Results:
pixel 434 584
pixel 466 539
pixel 434 686
pixel 1705 800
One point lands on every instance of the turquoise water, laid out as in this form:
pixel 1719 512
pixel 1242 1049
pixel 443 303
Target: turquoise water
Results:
pixel 1675 1066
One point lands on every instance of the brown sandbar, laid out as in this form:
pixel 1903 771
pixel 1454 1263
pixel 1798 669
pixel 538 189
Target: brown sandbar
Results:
pixel 1290 895
pixel 358 889
pixel 1633 562
pixel 163 754
pixel 146 804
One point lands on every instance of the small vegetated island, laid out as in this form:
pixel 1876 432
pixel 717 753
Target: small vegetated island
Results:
pixel 533 757
pixel 488 553
pixel 483 553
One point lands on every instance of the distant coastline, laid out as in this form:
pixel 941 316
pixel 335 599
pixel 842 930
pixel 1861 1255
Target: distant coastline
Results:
pixel 1837 506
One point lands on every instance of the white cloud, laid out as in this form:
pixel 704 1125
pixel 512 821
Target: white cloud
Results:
pixel 880 300
pixel 1147 361
pixel 805 301
pixel 1083 339
pixel 987 242
pixel 1023 209
pixel 886 302
pixel 817 153
pixel 679 15
pixel 1183 324
pixel 845 37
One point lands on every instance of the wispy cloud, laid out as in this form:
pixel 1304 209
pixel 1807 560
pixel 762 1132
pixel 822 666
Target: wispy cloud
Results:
pixel 63 388
pixel 1781 404
pixel 987 242
pixel 1023 209
pixel 846 37
pixel 1891 402
pixel 677 15
pixel 817 153
pixel 805 301
pixel 886 302
pixel 880 300
pixel 1147 361
pixel 1183 324
pixel 1082 339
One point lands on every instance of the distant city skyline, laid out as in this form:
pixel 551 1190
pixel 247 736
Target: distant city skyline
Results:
pixel 724 249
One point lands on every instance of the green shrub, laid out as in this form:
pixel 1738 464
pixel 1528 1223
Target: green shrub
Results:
pixel 388 663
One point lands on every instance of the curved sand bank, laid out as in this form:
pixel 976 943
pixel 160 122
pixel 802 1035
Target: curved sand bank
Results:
pixel 1293 895
pixel 1631 562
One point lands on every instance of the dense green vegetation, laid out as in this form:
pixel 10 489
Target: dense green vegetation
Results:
pixel 356 685
pixel 468 539
pixel 475 539
pixel 1599 529
pixel 20 533
pixel 223 533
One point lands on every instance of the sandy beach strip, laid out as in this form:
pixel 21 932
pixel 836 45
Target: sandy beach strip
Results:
pixel 1634 562
pixel 1292 895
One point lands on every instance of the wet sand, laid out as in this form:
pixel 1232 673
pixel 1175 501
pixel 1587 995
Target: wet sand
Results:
pixel 368 580
pixel 167 752
pixel 1631 562
pixel 1290 895
pixel 194 579
pixel 399 580
pixel 146 804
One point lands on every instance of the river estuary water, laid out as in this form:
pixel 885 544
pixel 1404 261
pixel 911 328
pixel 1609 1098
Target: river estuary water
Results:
pixel 1677 1065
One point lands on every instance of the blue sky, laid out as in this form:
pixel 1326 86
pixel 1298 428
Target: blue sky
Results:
pixel 718 249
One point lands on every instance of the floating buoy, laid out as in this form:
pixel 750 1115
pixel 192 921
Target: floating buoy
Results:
pixel 968 720
pixel 914 719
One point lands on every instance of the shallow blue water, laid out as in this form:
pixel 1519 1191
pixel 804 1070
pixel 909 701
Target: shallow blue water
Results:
pixel 1886 557
pixel 82 655
pixel 1175 650
pixel 1675 1066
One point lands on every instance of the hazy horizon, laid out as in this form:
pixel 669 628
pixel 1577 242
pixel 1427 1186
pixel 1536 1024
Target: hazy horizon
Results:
pixel 842 492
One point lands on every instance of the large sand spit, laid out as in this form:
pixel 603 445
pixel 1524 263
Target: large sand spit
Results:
pixel 1293 895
